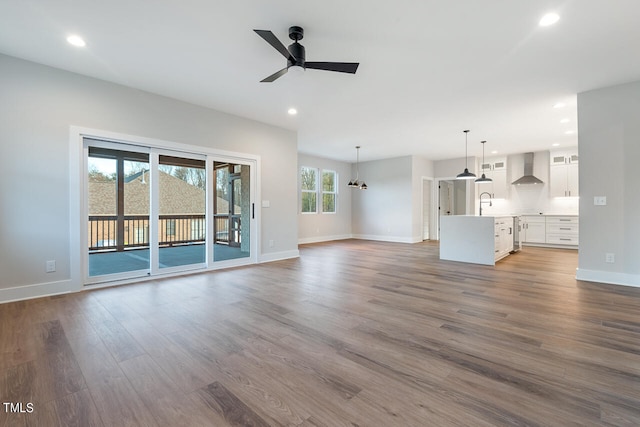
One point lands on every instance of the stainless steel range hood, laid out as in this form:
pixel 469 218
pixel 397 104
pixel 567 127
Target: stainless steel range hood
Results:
pixel 528 177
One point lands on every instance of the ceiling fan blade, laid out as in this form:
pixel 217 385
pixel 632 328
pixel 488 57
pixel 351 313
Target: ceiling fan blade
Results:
pixel 270 38
pixel 341 67
pixel 275 75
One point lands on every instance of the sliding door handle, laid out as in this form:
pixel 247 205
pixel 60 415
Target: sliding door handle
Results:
pixel 253 211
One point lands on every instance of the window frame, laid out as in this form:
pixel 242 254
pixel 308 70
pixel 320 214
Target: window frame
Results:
pixel 314 191
pixel 334 192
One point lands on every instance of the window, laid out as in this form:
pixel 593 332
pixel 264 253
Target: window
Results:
pixel 329 186
pixel 309 189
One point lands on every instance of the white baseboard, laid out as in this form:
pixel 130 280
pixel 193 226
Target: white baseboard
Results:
pixel 320 239
pixel 612 278
pixel 36 291
pixel 278 256
pixel 393 239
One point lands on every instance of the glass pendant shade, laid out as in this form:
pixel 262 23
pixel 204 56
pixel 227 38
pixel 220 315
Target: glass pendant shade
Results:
pixel 466 174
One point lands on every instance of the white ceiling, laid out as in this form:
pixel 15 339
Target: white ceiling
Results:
pixel 428 69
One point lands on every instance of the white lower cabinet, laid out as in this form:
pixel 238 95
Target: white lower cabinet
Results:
pixel 562 230
pixel 550 230
pixel 533 229
pixel 503 237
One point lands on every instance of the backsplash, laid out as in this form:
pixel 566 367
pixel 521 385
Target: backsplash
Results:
pixel 530 199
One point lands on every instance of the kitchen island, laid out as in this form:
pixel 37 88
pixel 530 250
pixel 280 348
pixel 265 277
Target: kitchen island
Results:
pixel 475 239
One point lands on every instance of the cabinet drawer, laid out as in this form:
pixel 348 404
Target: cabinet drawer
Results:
pixel 558 239
pixel 568 229
pixel 562 220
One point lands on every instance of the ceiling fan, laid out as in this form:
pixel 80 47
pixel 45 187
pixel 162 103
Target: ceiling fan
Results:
pixel 295 55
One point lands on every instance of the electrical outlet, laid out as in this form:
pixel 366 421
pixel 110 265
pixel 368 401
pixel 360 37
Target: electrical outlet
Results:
pixel 610 258
pixel 272 243
pixel 50 266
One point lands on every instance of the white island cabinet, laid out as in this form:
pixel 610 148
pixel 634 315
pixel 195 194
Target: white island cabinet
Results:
pixel 475 239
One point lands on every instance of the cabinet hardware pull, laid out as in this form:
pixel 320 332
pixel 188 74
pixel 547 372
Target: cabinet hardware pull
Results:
pixel 565 228
pixel 565 239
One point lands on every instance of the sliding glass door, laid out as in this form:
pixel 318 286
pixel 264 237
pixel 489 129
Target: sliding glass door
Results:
pixel 152 211
pixel 233 211
pixel 118 211
pixel 182 204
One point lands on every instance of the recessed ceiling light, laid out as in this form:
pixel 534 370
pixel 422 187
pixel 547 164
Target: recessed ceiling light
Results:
pixel 559 105
pixel 549 19
pixel 292 111
pixel 564 121
pixel 76 41
pixel 494 152
pixel 569 132
pixel 555 145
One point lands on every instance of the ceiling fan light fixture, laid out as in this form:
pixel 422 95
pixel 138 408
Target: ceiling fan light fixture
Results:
pixel 296 70
pixel 466 174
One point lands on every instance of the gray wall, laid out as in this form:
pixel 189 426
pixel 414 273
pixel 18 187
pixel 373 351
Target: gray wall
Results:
pixel 321 227
pixel 451 168
pixel 609 148
pixel 384 211
pixel 37 108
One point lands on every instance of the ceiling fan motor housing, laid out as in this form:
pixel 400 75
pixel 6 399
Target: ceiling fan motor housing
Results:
pixel 298 55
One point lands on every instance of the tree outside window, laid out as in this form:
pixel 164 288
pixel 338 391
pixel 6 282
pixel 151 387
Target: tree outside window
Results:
pixel 329 186
pixel 309 188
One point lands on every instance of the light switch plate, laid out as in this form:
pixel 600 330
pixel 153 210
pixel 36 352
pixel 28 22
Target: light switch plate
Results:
pixel 600 200
pixel 266 203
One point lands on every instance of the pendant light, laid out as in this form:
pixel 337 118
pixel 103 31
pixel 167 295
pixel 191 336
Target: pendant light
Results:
pixel 483 179
pixel 355 183
pixel 466 174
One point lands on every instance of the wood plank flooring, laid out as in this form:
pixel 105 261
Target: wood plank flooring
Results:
pixel 353 333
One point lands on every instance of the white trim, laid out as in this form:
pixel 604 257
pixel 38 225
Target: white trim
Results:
pixel 610 277
pixel 19 293
pixel 78 210
pixel 431 182
pixel 279 256
pixel 320 239
pixel 393 239
pixel 82 132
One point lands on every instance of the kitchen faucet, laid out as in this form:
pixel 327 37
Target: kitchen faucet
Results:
pixel 482 201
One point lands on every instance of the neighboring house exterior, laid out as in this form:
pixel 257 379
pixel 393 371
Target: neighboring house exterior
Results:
pixel 182 211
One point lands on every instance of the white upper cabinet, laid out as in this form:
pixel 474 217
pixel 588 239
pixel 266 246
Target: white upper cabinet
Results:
pixel 564 157
pixel 496 169
pixel 563 173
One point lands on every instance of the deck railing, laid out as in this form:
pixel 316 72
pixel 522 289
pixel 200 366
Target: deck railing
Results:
pixel 174 230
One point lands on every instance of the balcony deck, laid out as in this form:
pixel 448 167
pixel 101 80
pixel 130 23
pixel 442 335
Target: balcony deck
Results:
pixel 102 263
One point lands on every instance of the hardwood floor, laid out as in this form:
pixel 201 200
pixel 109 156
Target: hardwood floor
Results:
pixel 352 333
